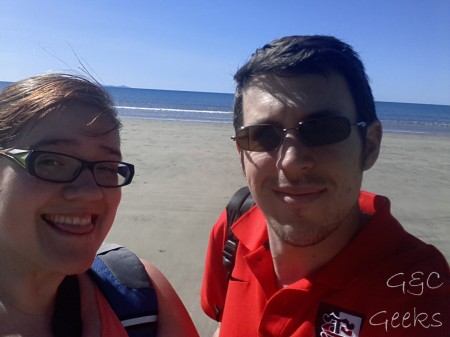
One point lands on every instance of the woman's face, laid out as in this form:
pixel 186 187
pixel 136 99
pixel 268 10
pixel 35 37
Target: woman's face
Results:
pixel 58 227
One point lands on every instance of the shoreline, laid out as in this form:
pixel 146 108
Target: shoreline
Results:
pixel 186 172
pixel 437 131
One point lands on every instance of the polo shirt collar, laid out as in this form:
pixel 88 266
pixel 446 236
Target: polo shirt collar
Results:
pixel 251 229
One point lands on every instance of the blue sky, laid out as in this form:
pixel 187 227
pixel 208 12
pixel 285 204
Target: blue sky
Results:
pixel 198 45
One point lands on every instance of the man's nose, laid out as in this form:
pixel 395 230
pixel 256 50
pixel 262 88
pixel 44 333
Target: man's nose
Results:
pixel 293 155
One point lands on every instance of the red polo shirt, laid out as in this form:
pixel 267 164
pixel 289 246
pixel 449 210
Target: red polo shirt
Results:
pixel 384 283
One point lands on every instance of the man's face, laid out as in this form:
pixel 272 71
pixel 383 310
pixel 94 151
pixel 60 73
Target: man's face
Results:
pixel 306 193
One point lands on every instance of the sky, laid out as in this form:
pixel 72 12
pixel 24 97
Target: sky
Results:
pixel 197 45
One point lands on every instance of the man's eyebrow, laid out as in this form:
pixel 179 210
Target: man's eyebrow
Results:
pixel 324 113
pixel 312 115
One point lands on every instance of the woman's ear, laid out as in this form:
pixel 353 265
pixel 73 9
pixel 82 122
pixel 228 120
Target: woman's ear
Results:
pixel 373 143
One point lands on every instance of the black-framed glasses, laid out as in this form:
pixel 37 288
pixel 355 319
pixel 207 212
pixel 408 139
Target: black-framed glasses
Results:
pixel 62 168
pixel 312 132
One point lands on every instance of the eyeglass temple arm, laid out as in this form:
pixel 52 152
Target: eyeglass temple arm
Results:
pixel 19 156
pixel 361 124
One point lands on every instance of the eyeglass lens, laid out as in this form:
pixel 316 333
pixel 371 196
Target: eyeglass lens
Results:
pixel 63 168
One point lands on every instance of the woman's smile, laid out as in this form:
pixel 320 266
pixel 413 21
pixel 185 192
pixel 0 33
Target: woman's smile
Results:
pixel 74 224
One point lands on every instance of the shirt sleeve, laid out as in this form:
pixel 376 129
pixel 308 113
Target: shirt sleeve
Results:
pixel 215 282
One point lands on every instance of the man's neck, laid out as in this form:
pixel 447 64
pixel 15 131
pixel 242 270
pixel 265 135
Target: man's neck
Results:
pixel 293 263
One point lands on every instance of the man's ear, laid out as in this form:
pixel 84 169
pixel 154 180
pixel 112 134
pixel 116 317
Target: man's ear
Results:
pixel 373 144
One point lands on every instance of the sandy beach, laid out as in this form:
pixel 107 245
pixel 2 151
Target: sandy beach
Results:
pixel 186 172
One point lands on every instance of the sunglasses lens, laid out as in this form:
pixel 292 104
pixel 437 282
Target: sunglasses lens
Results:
pixel 314 132
pixel 325 131
pixel 259 137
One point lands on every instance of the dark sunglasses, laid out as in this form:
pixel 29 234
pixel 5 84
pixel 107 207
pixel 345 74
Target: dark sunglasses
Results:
pixel 312 132
pixel 62 168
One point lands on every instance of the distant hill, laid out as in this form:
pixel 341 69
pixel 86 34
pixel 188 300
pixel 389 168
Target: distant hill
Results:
pixel 117 86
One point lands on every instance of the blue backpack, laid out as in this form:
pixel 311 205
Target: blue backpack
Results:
pixel 128 289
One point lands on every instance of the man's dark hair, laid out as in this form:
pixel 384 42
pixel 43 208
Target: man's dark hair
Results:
pixel 315 54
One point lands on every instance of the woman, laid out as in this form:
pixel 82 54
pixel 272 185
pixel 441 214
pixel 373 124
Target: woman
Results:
pixel 61 174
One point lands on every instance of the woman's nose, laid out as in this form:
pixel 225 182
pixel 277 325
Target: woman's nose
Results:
pixel 84 186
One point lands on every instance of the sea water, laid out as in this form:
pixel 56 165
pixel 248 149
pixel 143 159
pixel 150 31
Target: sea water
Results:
pixel 173 105
pixel 218 108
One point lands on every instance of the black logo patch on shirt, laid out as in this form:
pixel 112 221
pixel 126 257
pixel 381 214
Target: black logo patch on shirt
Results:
pixel 332 321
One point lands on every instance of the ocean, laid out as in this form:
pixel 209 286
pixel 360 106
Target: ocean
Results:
pixel 217 108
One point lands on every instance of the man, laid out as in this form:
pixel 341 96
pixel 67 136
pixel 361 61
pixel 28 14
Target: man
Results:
pixel 316 255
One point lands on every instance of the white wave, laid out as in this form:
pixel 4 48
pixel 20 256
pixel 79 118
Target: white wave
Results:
pixel 173 110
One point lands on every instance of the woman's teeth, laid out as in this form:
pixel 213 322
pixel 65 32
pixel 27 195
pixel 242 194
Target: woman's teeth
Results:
pixel 69 220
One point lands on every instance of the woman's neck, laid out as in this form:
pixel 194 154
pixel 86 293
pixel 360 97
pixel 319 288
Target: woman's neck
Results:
pixel 25 287
pixel 25 308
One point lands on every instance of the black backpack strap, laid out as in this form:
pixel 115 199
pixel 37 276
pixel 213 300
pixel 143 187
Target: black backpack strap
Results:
pixel 128 289
pixel 240 202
